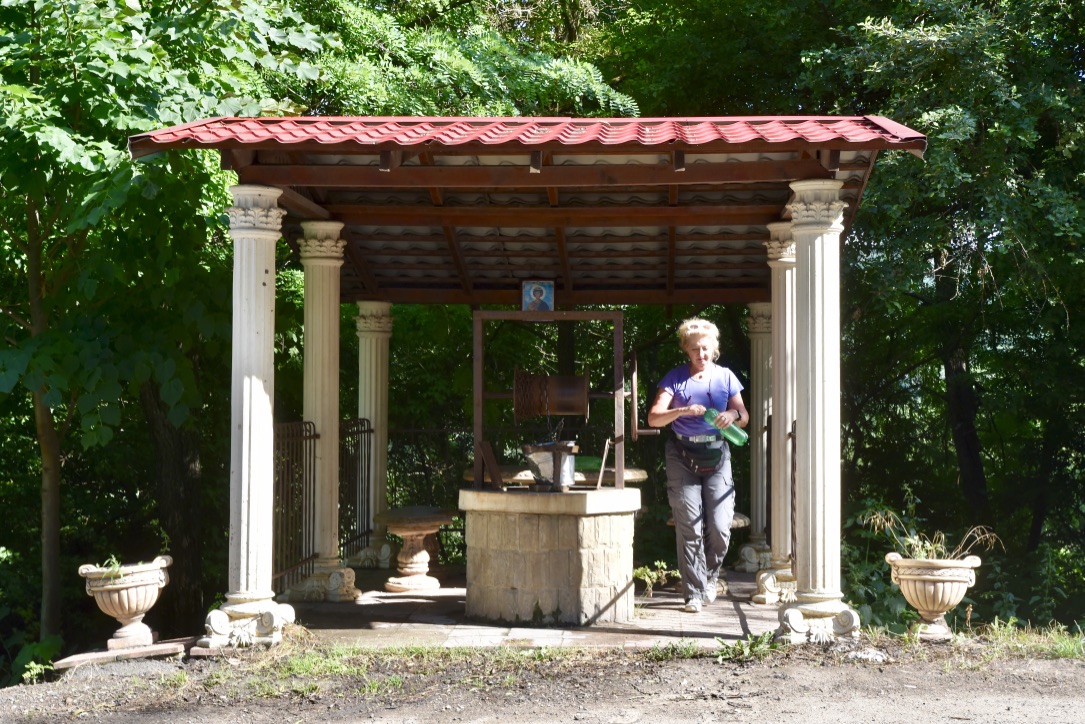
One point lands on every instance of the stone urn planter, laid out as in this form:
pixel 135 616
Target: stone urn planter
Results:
pixel 933 587
pixel 127 592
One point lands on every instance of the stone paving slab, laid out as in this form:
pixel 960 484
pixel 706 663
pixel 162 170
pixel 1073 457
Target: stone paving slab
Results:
pixel 437 618
pixel 172 647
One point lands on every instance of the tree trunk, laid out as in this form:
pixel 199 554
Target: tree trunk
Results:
pixel 49 444
pixel 962 400
pixel 962 405
pixel 178 475
pixel 1045 482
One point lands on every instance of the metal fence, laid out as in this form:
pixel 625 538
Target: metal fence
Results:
pixel 355 504
pixel 294 540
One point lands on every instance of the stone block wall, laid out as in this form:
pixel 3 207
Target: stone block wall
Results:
pixel 549 558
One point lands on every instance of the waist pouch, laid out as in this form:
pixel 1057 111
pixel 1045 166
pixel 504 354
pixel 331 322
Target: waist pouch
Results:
pixel 700 457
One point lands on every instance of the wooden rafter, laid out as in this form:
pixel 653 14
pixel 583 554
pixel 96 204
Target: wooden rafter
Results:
pixel 457 259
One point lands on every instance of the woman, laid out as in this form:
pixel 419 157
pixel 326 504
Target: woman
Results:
pixel 699 484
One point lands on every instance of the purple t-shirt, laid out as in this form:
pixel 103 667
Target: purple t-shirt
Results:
pixel 719 386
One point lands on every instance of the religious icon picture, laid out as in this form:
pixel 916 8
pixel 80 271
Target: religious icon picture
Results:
pixel 537 296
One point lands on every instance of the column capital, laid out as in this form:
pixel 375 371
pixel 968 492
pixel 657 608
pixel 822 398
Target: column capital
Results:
pixel 255 209
pixel 320 242
pixel 781 247
pixel 817 205
pixel 374 318
pixel 760 319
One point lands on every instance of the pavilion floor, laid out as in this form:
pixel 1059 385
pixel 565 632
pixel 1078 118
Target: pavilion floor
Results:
pixel 436 618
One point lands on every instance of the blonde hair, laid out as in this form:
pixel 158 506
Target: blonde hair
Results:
pixel 697 327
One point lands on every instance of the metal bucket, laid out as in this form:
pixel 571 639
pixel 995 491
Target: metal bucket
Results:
pixel 552 463
pixel 537 395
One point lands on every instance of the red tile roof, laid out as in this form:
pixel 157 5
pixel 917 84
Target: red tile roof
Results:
pixel 463 210
pixel 866 131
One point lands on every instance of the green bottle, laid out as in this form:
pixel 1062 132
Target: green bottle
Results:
pixel 732 433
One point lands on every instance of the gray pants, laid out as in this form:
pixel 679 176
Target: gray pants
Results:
pixel 703 506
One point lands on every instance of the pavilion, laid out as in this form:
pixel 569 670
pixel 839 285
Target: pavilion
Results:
pixel 733 210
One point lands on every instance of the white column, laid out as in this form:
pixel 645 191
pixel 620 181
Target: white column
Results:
pixel 250 613
pixel 374 326
pixel 819 612
pixel 321 257
pixel 776 583
pixel 754 555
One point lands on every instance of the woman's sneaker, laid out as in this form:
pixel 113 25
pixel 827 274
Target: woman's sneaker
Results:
pixel 693 605
pixel 711 590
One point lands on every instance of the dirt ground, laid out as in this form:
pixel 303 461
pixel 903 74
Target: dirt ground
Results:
pixel 864 682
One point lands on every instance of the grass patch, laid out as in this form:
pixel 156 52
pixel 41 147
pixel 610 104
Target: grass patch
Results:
pixel 681 649
pixel 1010 639
pixel 974 648
pixel 262 688
pixel 176 680
pixel 379 686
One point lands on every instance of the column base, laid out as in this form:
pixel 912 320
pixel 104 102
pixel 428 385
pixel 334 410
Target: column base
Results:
pixel 774 586
pixel 246 623
pixel 817 620
pixel 753 557
pixel 377 555
pixel 327 584
pixel 412 583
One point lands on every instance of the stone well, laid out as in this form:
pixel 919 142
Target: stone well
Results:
pixel 547 558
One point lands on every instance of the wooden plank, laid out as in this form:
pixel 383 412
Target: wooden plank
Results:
pixel 594 175
pixel 361 268
pixel 477 406
pixel 757 236
pixel 519 216
pixel 671 244
pixel 302 207
pixel 490 465
pixel 553 266
pixel 619 405
pixel 431 294
pixel 457 260
pixel 566 267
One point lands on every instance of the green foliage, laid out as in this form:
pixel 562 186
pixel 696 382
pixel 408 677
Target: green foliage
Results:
pixel 389 66
pixel 972 261
pixel 31 663
pixel 712 57
pixel 658 574
pixel 751 648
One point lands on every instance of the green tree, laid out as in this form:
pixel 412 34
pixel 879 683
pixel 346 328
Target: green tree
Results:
pixel 711 57
pixel 972 259
pixel 436 58
pixel 78 77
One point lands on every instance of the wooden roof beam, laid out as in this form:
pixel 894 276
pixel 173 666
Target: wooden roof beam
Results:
pixel 596 175
pixel 302 207
pixel 563 255
pixel 733 293
pixel 671 254
pixel 537 216
pixel 756 237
